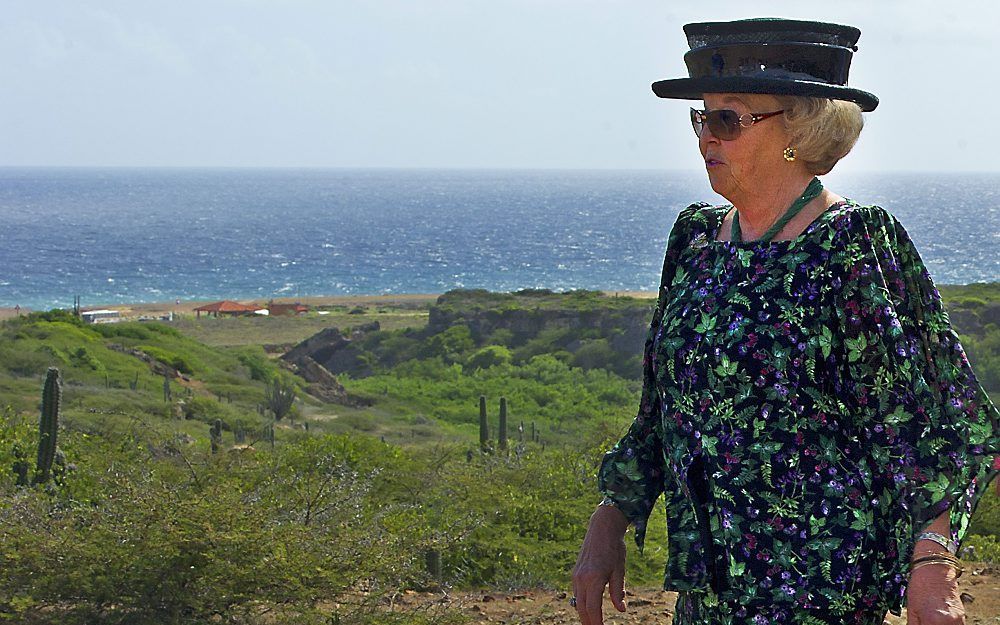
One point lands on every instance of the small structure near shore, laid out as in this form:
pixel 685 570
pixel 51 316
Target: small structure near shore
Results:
pixel 101 316
pixel 225 307
pixel 286 309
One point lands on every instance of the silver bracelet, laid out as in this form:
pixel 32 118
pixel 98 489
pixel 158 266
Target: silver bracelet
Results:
pixel 608 501
pixel 940 539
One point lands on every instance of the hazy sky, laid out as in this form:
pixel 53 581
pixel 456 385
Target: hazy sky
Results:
pixel 460 83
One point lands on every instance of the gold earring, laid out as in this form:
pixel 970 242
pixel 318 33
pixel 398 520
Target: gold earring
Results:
pixel 789 154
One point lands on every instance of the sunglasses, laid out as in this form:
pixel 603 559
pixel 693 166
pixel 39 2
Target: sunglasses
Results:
pixel 726 124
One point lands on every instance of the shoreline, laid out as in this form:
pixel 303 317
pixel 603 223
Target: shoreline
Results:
pixel 186 307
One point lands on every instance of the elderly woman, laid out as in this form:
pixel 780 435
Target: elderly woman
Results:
pixel 807 410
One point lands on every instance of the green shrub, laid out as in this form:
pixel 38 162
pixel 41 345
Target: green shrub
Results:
pixel 979 548
pixel 168 358
pixel 489 356
pixel 256 361
pixel 81 357
pixel 451 343
pixel 24 363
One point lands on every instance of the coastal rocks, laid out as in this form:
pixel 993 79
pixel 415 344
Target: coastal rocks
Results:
pixel 333 350
pixel 628 325
pixel 326 353
pixel 322 383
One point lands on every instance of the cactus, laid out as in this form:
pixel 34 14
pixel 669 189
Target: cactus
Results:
pixel 279 394
pixel 267 433
pixel 433 560
pixel 21 466
pixel 166 388
pixel 484 428
pixel 502 432
pixel 215 432
pixel 48 425
pixel 534 434
pixel 134 384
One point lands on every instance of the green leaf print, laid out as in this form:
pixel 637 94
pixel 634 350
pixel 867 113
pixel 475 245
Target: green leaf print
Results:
pixel 736 569
pixel 826 341
pixel 709 442
pixel 897 416
pixel 630 469
pixel 939 486
pixel 726 368
pixel 739 298
pixel 707 323
pixel 856 347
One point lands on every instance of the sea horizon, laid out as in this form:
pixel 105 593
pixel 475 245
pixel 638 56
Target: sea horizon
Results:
pixel 121 235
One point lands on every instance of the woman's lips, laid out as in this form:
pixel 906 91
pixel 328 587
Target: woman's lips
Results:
pixel 712 162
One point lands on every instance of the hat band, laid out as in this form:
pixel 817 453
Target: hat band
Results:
pixel 809 62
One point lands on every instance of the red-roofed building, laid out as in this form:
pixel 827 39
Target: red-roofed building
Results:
pixel 286 309
pixel 225 307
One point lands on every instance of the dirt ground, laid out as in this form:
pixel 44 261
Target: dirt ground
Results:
pixel 980 586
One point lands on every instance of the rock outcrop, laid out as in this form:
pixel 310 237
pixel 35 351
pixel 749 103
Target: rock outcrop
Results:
pixel 323 355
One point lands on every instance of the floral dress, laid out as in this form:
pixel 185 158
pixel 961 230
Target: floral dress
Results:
pixel 807 410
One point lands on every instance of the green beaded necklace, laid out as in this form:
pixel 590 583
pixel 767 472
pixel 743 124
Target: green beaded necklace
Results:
pixel 812 191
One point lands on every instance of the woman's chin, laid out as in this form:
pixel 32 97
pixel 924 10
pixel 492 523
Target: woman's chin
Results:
pixel 718 184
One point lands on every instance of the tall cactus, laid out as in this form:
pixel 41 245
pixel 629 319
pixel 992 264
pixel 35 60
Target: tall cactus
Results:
pixel 215 432
pixel 48 425
pixel 166 388
pixel 484 428
pixel 279 395
pixel 502 432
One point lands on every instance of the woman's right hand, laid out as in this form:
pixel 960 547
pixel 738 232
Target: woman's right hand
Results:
pixel 601 564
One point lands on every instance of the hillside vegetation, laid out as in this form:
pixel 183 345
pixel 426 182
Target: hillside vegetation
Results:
pixel 328 513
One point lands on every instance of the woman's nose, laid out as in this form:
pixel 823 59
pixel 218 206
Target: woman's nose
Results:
pixel 705 136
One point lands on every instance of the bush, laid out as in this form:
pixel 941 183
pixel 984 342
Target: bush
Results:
pixel 207 410
pixel 489 356
pixel 451 343
pixel 256 361
pixel 82 357
pixel 168 358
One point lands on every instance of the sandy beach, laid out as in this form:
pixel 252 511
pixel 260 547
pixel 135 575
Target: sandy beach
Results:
pixel 185 307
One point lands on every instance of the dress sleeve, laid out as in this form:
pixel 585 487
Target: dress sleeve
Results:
pixel 931 427
pixel 631 473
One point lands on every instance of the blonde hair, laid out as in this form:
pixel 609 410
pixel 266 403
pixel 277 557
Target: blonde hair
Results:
pixel 821 130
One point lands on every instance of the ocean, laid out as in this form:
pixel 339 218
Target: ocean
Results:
pixel 147 235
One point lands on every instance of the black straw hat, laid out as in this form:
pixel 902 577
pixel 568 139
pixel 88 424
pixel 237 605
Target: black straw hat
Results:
pixel 768 55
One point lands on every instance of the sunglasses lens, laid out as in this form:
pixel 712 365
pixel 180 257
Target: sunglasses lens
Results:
pixel 696 122
pixel 724 124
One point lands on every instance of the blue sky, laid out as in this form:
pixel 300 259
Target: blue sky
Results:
pixel 434 83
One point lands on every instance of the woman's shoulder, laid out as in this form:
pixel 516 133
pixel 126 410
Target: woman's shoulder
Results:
pixel 702 215
pixel 855 222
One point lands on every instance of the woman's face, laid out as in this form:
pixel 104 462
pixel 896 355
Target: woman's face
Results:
pixel 755 159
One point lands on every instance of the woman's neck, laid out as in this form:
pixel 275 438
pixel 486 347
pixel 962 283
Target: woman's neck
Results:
pixel 760 208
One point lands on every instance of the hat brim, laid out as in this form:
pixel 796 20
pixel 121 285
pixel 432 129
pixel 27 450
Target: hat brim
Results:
pixel 695 88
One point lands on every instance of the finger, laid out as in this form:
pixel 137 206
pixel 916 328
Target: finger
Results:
pixel 616 586
pixel 581 604
pixel 594 607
